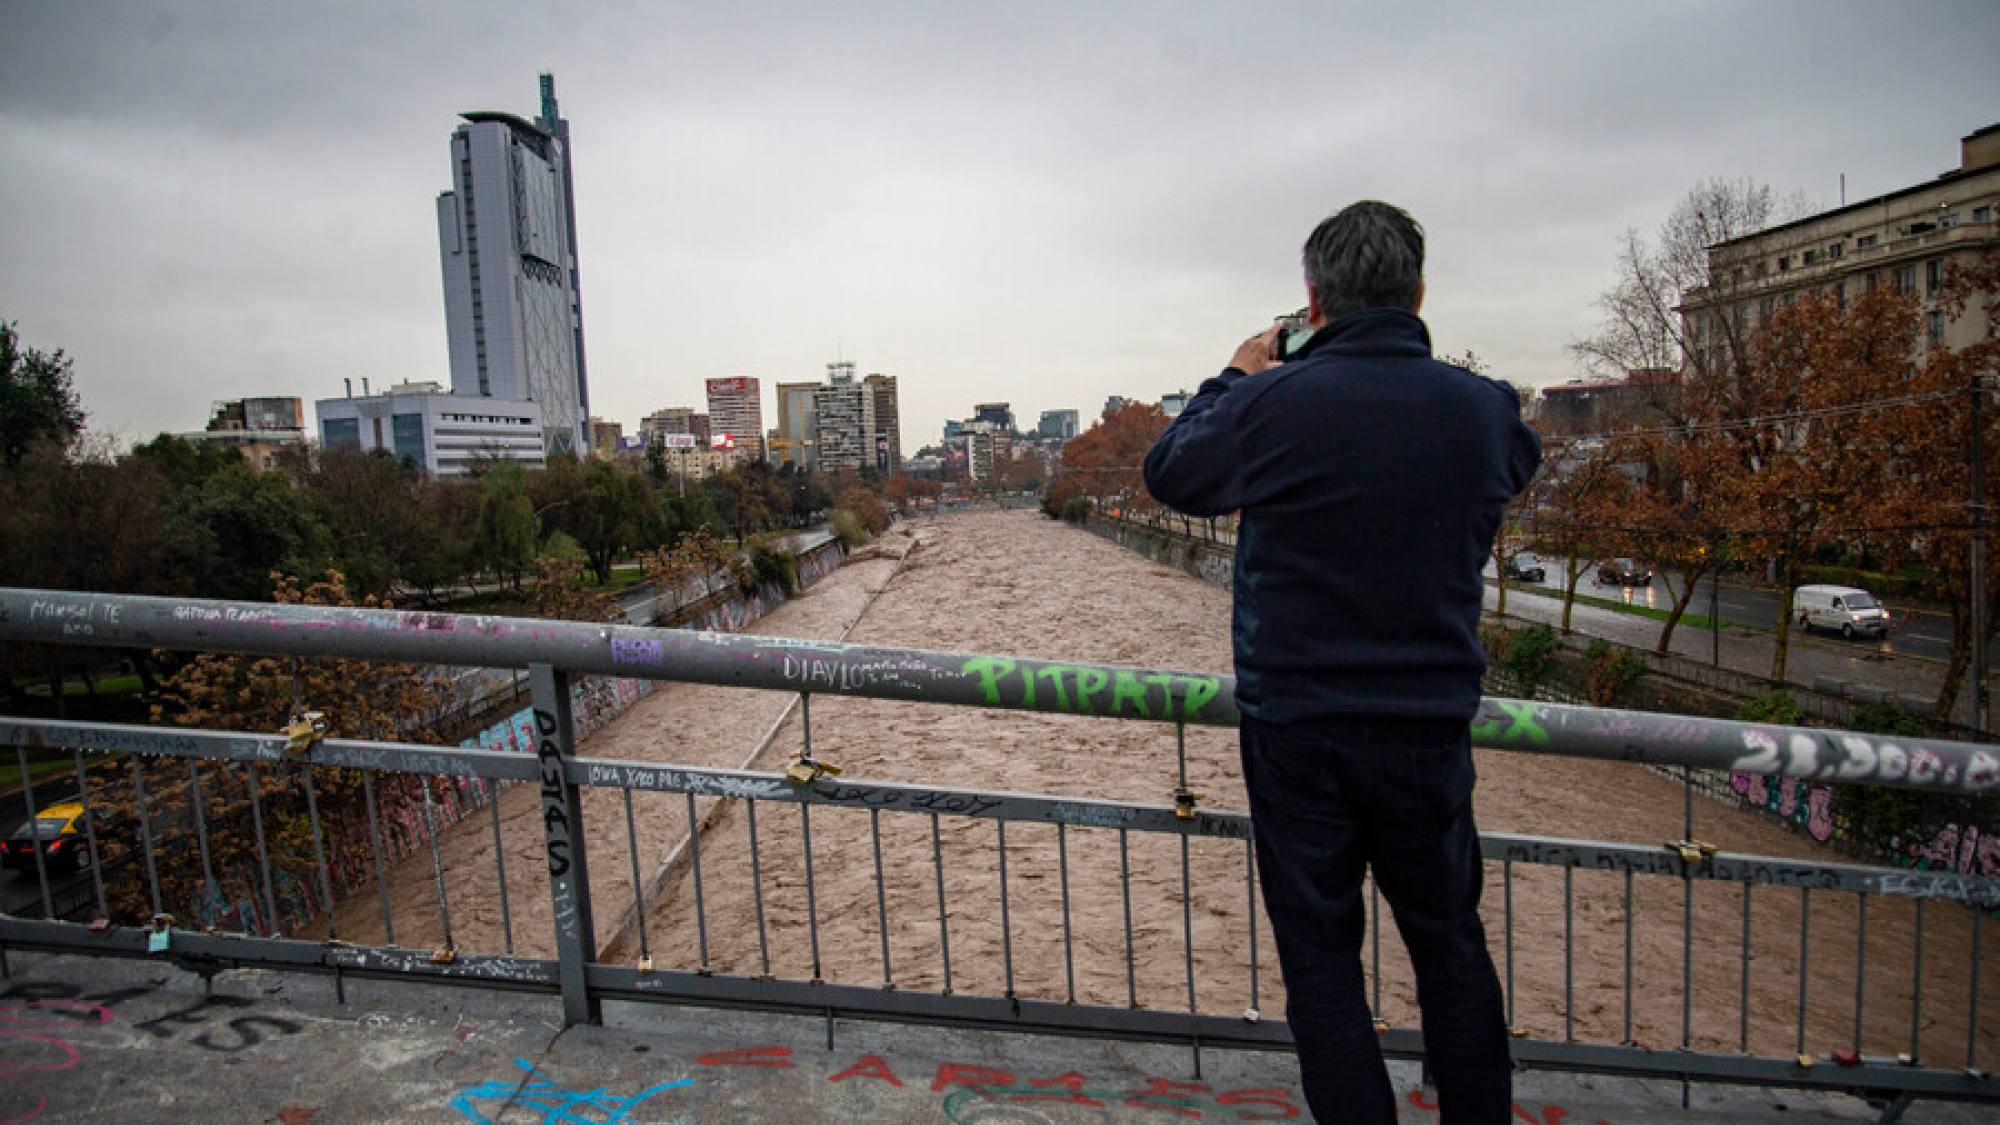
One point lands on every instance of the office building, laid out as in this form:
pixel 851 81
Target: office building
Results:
pixel 996 413
pixel 440 432
pixel 988 449
pixel 604 438
pixel 843 421
pixel 664 421
pixel 261 429
pixel 793 442
pixel 1173 403
pixel 736 410
pixel 1906 240
pixel 507 240
pixel 886 430
pixel 1057 425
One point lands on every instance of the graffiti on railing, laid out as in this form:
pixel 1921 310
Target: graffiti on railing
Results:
pixel 1089 690
pixel 1809 807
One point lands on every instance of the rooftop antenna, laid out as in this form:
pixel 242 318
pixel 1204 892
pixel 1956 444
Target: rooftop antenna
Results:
pixel 1843 189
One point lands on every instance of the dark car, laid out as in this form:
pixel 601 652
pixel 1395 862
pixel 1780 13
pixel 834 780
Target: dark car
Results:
pixel 1524 567
pixel 59 830
pixel 1624 572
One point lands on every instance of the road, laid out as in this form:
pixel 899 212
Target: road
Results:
pixel 1919 632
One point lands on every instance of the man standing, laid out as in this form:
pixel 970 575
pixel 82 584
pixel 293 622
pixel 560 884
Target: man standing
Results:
pixel 1371 480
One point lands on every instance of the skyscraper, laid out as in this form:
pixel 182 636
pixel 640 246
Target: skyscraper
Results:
pixel 513 316
pixel 843 421
pixel 736 408
pixel 795 425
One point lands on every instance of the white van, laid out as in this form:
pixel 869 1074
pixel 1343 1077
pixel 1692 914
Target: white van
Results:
pixel 1842 608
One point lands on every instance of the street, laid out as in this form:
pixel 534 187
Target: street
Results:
pixel 1923 633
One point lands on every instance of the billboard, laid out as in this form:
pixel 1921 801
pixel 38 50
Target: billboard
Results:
pixel 734 385
pixel 677 441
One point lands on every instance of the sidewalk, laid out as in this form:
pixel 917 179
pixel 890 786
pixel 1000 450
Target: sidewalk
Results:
pixel 87 1040
pixel 1746 650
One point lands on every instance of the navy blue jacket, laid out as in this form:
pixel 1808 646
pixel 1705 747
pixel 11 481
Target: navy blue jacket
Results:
pixel 1371 479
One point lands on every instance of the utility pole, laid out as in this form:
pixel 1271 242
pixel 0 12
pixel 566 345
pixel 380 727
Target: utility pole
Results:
pixel 1978 559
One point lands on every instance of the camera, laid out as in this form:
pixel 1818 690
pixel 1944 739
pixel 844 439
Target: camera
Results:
pixel 1293 332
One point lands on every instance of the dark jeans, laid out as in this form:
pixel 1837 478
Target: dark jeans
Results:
pixel 1333 798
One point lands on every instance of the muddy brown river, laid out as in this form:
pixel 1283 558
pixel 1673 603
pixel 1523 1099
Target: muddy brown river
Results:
pixel 1014 582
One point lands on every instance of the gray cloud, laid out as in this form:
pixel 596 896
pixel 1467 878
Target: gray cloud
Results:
pixel 1040 202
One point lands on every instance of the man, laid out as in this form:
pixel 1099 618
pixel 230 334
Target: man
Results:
pixel 1371 480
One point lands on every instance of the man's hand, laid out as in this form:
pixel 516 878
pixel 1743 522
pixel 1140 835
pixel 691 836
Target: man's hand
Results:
pixel 1256 354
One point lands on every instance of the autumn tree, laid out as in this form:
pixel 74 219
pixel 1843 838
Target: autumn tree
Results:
pixel 1923 510
pixel 1578 510
pixel 1107 462
pixel 1833 398
pixel 229 691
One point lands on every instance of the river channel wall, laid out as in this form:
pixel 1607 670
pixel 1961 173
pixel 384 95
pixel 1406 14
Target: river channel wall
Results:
pixel 234 900
pixel 1921 831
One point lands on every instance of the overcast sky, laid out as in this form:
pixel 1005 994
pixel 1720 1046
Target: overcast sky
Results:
pixel 1044 203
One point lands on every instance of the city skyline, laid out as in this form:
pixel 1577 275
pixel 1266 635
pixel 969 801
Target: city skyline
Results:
pixel 1111 231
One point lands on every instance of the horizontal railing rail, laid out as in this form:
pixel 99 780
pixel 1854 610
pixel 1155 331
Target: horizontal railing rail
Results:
pixel 1173 884
pixel 969 679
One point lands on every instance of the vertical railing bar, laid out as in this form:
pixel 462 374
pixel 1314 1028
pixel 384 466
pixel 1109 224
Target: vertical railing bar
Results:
pixel 1006 921
pixel 1125 889
pixel 263 854
pixel 1743 998
pixel 1860 962
pixel 1972 1014
pixel 35 833
pixel 319 853
pixel 812 897
pixel 1187 919
pixel 1250 894
pixel 146 831
pixel 499 863
pixel 1687 948
pixel 210 889
pixel 944 925
pixel 1569 956
pixel 638 884
pixel 1062 874
pixel 1507 904
pixel 881 895
pixel 757 890
pixel 1628 956
pixel 375 846
pixel 90 835
pixel 437 864
pixel 700 895
pixel 1805 928
pixel 1917 985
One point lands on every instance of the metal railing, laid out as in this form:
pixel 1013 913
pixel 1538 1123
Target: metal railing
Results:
pixel 803 890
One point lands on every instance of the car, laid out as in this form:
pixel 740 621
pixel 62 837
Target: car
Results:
pixel 1850 610
pixel 60 831
pixel 1524 567
pixel 1624 572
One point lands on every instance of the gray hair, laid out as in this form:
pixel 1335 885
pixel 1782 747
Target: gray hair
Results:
pixel 1369 256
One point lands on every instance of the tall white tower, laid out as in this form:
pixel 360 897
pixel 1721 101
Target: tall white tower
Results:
pixel 506 236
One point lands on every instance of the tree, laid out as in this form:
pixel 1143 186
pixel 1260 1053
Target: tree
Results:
pixel 866 508
pixel 1831 402
pixel 1106 462
pixel 1641 325
pixel 37 398
pixel 1578 510
pixel 504 533
pixel 259 523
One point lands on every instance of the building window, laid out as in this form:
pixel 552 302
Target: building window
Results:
pixel 1933 276
pixel 1869 282
pixel 1833 252
pixel 340 433
pixel 1864 242
pixel 408 431
pixel 1982 214
pixel 1936 327
pixel 1811 258
pixel 1906 281
pixel 1947 222
pixel 1840 294
pixel 1784 262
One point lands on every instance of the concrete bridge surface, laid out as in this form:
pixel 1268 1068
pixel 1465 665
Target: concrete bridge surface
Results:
pixel 89 1040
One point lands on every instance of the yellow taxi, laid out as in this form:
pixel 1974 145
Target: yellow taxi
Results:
pixel 59 831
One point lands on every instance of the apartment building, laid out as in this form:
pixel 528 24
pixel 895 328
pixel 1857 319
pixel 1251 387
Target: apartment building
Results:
pixel 1905 240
